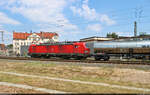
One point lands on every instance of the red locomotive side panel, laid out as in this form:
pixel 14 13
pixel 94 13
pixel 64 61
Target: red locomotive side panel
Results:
pixel 32 49
pixel 65 49
pixel 41 49
pixel 60 50
pixel 80 48
pixel 52 49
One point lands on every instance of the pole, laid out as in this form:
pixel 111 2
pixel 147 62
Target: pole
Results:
pixel 2 33
pixel 135 29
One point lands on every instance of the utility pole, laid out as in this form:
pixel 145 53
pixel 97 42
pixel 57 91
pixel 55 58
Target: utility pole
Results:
pixel 138 13
pixel 2 36
pixel 135 29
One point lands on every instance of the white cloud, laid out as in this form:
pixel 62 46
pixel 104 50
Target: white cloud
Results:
pixel 91 14
pixel 105 18
pixel 47 15
pixel 85 11
pixel 4 19
pixel 94 27
pixel 1 27
pixel 40 11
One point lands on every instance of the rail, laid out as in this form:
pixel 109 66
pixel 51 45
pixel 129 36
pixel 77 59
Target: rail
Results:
pixel 142 62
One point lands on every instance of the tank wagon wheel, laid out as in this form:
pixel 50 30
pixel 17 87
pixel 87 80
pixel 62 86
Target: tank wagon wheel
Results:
pixel 106 58
pixel 97 58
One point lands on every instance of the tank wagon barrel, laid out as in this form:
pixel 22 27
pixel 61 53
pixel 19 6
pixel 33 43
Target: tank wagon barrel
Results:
pixel 135 49
pixel 122 44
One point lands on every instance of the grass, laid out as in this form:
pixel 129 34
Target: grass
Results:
pixel 63 86
pixel 93 74
pixel 15 90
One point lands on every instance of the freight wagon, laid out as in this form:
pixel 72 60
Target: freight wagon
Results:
pixel 139 49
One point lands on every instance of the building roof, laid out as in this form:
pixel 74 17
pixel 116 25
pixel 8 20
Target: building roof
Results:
pixel 133 37
pixel 24 36
pixel 94 38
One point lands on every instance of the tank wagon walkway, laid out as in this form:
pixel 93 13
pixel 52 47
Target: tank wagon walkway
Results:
pixel 78 81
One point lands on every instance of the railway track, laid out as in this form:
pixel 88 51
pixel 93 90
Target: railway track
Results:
pixel 81 61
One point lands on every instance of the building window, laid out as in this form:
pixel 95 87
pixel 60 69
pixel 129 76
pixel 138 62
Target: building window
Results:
pixel 38 39
pixel 55 37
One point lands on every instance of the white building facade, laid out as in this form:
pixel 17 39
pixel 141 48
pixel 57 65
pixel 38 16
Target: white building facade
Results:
pixel 26 39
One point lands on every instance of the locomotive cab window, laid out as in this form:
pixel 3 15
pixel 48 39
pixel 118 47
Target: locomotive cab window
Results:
pixel 76 46
pixel 33 47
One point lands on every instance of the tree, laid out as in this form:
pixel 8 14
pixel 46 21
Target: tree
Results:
pixel 143 34
pixel 10 46
pixel 112 35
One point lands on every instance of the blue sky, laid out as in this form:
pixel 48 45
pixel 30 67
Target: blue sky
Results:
pixel 74 19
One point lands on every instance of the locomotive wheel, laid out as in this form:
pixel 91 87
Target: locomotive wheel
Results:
pixel 66 57
pixel 77 58
pixel 43 57
pixel 47 57
pixel 80 58
pixel 32 56
pixel 84 58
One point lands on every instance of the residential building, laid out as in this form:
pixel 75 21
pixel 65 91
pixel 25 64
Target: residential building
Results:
pixel 26 39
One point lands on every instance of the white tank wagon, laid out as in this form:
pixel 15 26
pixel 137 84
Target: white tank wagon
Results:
pixel 131 49
pixel 122 44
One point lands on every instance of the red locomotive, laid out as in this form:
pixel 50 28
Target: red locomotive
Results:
pixel 66 50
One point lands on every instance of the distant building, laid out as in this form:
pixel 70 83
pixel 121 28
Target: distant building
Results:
pixel 26 39
pixel 3 50
pixel 2 47
pixel 137 38
pixel 90 39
